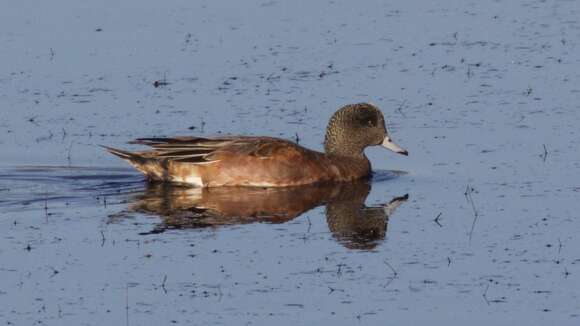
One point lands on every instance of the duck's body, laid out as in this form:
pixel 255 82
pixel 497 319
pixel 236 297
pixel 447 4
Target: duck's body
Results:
pixel 240 161
pixel 266 161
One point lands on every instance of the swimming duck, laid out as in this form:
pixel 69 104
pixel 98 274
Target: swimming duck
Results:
pixel 267 161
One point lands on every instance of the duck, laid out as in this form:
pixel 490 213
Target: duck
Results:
pixel 263 161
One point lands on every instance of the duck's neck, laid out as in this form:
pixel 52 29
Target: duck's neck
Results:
pixel 344 149
pixel 338 143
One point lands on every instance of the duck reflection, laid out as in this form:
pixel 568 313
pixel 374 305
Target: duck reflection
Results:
pixel 353 224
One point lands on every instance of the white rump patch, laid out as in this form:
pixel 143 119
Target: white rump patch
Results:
pixel 192 180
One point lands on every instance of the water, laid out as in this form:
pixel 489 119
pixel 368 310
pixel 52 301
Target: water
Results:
pixel 484 96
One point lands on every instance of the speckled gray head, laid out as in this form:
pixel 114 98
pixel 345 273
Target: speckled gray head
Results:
pixel 356 126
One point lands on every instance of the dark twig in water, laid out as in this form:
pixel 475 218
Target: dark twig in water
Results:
pixel 33 121
pixel 163 82
pixel 220 293
pixel 309 223
pixel 331 289
pixel 469 190
pixel 395 274
pixel 339 269
pixel 103 239
pixel 400 108
pixel 297 139
pixel 391 279
pixel 127 304
pixel 46 205
pixel 68 155
pixel 54 272
pixel 566 273
pixel 473 227
pixel 469 70
pixel 448 261
pixel 484 295
pixel 52 54
pixel 559 246
pixel 436 220
pixel 272 76
pixel 163 283
pixel 45 138
pixel 529 91
pixel 545 154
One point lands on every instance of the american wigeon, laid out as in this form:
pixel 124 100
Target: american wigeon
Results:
pixel 267 161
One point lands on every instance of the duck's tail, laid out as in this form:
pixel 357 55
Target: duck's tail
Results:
pixel 152 169
pixel 126 155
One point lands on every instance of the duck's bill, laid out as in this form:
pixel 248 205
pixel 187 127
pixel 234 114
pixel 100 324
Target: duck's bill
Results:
pixel 394 203
pixel 389 144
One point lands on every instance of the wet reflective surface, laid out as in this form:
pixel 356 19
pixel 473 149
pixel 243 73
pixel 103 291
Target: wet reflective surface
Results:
pixel 349 220
pixel 484 95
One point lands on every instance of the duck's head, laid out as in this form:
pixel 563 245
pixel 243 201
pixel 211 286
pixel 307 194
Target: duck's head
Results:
pixel 356 126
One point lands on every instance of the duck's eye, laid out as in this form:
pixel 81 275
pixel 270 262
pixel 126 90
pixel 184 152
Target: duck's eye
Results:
pixel 366 119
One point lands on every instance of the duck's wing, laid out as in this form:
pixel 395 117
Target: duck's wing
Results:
pixel 199 150
pixel 183 149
